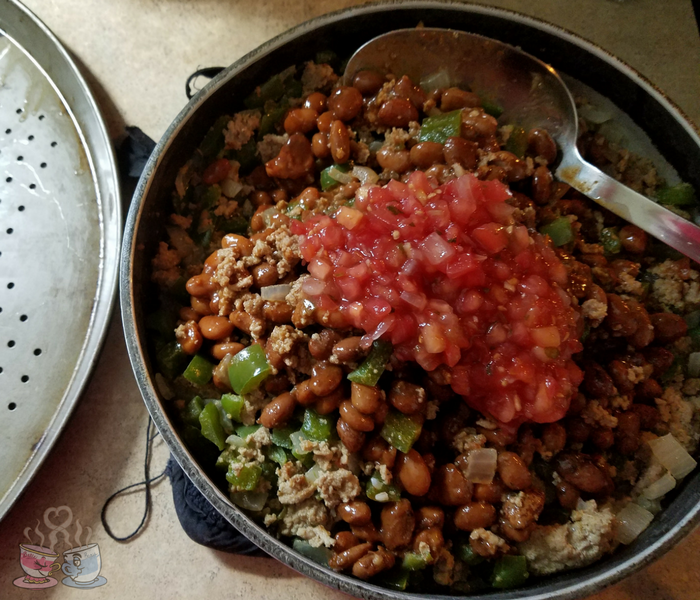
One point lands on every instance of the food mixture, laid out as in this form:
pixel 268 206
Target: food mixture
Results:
pixel 407 350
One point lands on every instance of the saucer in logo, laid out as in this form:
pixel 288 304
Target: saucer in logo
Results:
pixel 76 584
pixel 39 584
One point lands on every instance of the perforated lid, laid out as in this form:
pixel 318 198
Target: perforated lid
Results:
pixel 59 238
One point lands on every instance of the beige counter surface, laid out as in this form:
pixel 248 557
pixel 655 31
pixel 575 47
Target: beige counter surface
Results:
pixel 137 54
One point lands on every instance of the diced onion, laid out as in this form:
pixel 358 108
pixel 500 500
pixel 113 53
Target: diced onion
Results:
pixel 313 473
pixel 660 487
pixel 235 441
pixel 275 293
pixel 230 188
pixel 254 501
pixel 365 175
pixel 594 114
pixel 672 455
pixel 481 465
pixel 313 286
pixel 694 364
pixel 439 80
pixel 339 176
pixel 632 520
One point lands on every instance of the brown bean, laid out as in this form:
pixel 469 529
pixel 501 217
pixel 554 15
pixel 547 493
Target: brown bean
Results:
pixel 406 89
pixel 372 563
pixel 397 112
pixel 355 418
pixel 324 121
pixel 199 285
pixel 300 120
pixel 304 394
pixel 619 372
pixel 620 320
pixel 407 398
pixel 319 145
pixel 365 398
pixel 200 306
pixel 346 558
pixel 241 244
pixel 393 159
pixel 540 143
pixel 580 471
pixel 627 433
pixel 597 381
pixel 398 523
pixel 478 124
pixel 633 239
pixel 431 536
pixel 355 513
pixel 343 541
pixel 278 411
pixel 603 437
pixel 513 471
pixel 367 533
pixel 339 141
pixel 294 160
pixel 257 221
pixel 264 274
pixel 649 389
pixel 542 184
pixel 325 379
pixel 413 473
pixel 515 169
pixel 327 404
pixel 474 515
pixel 554 438
pixel 345 103
pixel 218 351
pixel 220 376
pixel 498 437
pixel 348 350
pixel 378 450
pixel 430 516
pixel 189 337
pixel 279 195
pixel 645 330
pixel 241 320
pixel 515 535
pixel 425 154
pixel 215 328
pixel 649 416
pixel 660 358
pixel 454 98
pixel 486 547
pixel 668 327
pixel 568 495
pixel 277 311
pixel 438 174
pixel 459 151
pixel 316 101
pixel 187 313
pixel 368 82
pixel 449 487
pixel 521 510
pixel 577 430
pixel 321 344
pixel 489 492
pixel 351 438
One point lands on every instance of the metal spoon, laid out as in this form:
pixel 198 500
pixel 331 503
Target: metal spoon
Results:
pixel 531 94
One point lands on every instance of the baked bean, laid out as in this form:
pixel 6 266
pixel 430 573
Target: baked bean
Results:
pixel 321 344
pixel 649 416
pixel 365 398
pixel 499 436
pixel 294 160
pixel 486 547
pixel 407 398
pixel 397 112
pixel 438 174
pixel 542 184
pixel 378 450
pixel 668 327
pixel 189 337
pixel 319 145
pixel 515 535
pixel 513 471
pixel 645 330
pixel 324 121
pixel 327 404
pixel 343 541
pixel 352 439
pixel 431 536
pixel 514 168
pixel 355 418
pixel 316 101
pixel 368 82
pixel 405 88
pixel 567 495
pixel 199 285
pixel 367 533
pixel 187 313
pixel 300 120
pixel 553 438
pixel 660 358
pixel 242 245
pixel 633 239
pixel 326 378
pixel 478 124
pixel 577 430
pixel 213 261
pixel 345 103
pixel 580 471
pixel 627 438
pixel 263 234
pixel 413 473
pixel 241 320
pixel 540 143
pixel 257 221
pixel 522 510
pixel 278 411
pixel 304 394
pixel 619 372
pixel 220 374
pixel 339 141
pixel 597 381
pixel 349 350
pixel 430 516
pixel 279 195
pixel 330 318
pixel 200 306
pixel 277 311
pixel 603 437
pixel 454 98
pixel 489 492
pixel 372 563
pixel 345 559
pixel 474 516
pixel 276 384
pixel 393 159
pixel 398 523
pixel 355 513
pixel 449 487
pixel 460 151
pixel 426 154
pixel 264 274
pixel 649 389
pixel 620 320
pixel 215 328
pixel 274 357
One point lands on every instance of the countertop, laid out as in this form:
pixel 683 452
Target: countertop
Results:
pixel 136 55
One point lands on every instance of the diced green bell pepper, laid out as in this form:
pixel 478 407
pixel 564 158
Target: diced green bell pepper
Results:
pixel 327 182
pixel 233 404
pixel 171 359
pixel 272 89
pixel 509 571
pixel 401 430
pixel 254 501
pixel 412 561
pixel 211 426
pixel 326 57
pixel 439 128
pixel 246 480
pixel 517 142
pixel 199 371
pixel 248 369
pixel 280 437
pixel 559 230
pixel 271 118
pixel 320 555
pixel 491 107
pixel 162 323
pixel 213 141
pixel 247 156
pixel 236 224
pixel 379 491
pixel 318 428
pixel 371 369
pixel 190 413
pixel 305 457
pixel 464 552
pixel 611 240
pixel 396 578
pixel 243 431
pixel 681 194
pixel 277 454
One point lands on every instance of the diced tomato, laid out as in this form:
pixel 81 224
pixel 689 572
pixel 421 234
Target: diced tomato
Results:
pixel 216 171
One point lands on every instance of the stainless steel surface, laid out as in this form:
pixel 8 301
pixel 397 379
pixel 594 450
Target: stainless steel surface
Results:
pixel 531 94
pixel 344 31
pixel 59 242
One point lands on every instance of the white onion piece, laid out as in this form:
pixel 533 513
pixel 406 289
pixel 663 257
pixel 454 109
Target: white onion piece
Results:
pixel 660 487
pixel 672 455
pixel 235 441
pixel 339 176
pixel 594 114
pixel 365 175
pixel 230 188
pixel 275 293
pixel 632 520
pixel 481 465
pixel 313 473
pixel 313 286
pixel 436 81
pixel 436 249
pixel 254 501
pixel 694 364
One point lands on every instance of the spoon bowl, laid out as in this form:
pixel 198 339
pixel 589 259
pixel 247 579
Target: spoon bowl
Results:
pixel 529 94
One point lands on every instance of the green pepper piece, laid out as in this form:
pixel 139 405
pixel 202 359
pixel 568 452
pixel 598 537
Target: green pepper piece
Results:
pixel 178 290
pixel 271 118
pixel 319 555
pixel 293 89
pixel 371 369
pixel 681 194
pixel 272 89
pixel 305 457
pixel 162 323
pixel 269 471
pixel 213 141
pixel 401 430
pixel 509 571
pixel 379 491
pixel 243 431
pixel 611 240
pixel 491 107
pixel 464 552
pixel 248 369
pixel 232 404
pixel 517 142
pixel 412 561
pixel 396 578
pixel 190 413
pixel 694 335
pixel 199 371
pixel 280 437
pixel 247 156
pixel 439 128
pixel 246 480
pixel 559 230
pixel 171 359
pixel 327 182
pixel 211 425
pixel 277 454
pixel 317 427
pixel 325 57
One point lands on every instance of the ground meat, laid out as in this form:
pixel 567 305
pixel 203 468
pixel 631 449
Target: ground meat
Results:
pixel 636 374
pixel 490 541
pixel 595 311
pixel 338 486
pixel 654 471
pixel 269 147
pixel 241 128
pixel 588 536
pixel 291 344
pixel 165 266
pixel 307 520
pixel 468 439
pixel 677 413
pixel 594 414
pixel 317 77
pixel 252 403
pixel 677 286
pixel 629 285
pixel 431 410
pixel 292 484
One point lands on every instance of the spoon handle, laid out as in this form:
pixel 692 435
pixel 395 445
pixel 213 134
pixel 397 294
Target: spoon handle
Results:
pixel 663 224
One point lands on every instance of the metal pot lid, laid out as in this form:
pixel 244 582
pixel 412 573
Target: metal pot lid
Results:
pixel 60 230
